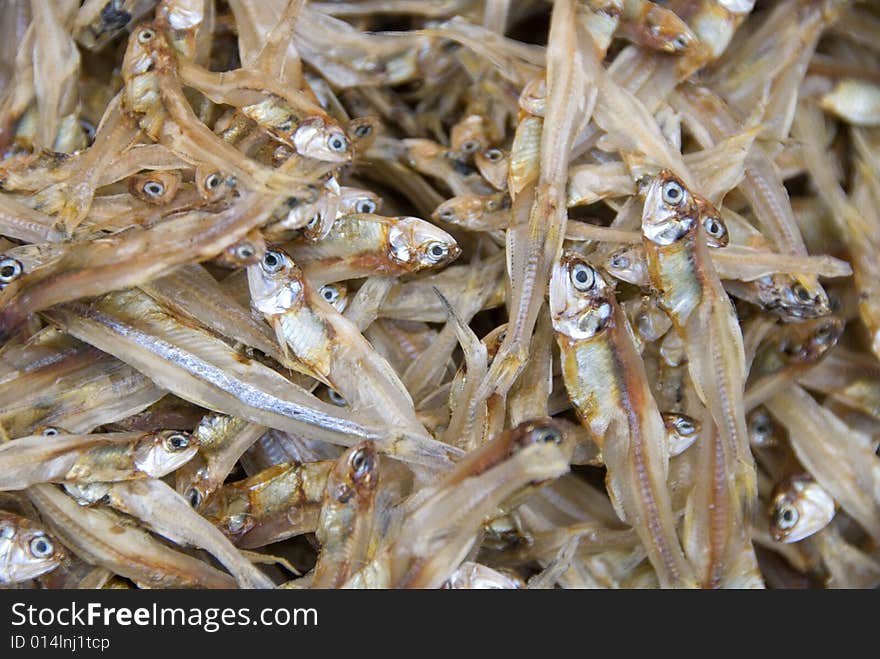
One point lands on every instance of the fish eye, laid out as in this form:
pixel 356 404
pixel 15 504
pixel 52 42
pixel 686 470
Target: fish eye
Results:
pixel 823 334
pixel 335 398
pixel 145 35
pixel 313 222
pixel 786 516
pixel 212 181
pixel 800 292
pixel 194 497
pixel 546 435
pixel 680 42
pixel 177 442
pixel 470 146
pixel 673 193
pixel 330 293
pixel 365 206
pixel 286 125
pixel 360 462
pixel 713 227
pixel 245 251
pixel 447 214
pixel 337 143
pixel 363 130
pixel 88 128
pixel 10 269
pixel 154 189
pixel 685 426
pixel 761 426
pixel 619 261
pixel 50 432
pixel 437 251
pixel 272 262
pixel 40 547
pixel 583 278
pixel 493 155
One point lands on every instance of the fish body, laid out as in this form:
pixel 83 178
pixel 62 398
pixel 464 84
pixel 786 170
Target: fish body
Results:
pixel 346 517
pixel 274 504
pixel 607 384
pixel 689 290
pixel 92 458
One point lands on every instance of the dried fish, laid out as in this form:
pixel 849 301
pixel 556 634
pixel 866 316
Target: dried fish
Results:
pixel 607 385
pixel 92 458
pixel 343 277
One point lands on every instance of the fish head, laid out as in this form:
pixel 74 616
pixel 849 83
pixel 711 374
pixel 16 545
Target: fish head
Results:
pixel 246 252
pixel 809 341
pixel 161 453
pixel 276 283
pixel 494 203
pixel 363 131
pixel 335 294
pixel 357 201
pixel 420 244
pixel 713 226
pixel 800 507
pixel 665 31
pixel 212 184
pixel 493 165
pixel 28 551
pixel 195 487
pixel 322 139
pixel 158 187
pixel 681 430
pixel 627 264
pixel 356 473
pixel 670 211
pixel 148 50
pixel 802 297
pixel 580 300
pixel 468 136
pixel 460 210
pixel 762 429
pixel 421 154
pixel 235 526
pixel 536 431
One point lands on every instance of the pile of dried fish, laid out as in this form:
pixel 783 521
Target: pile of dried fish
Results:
pixel 447 293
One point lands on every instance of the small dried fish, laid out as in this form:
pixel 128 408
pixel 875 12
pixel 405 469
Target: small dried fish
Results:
pixel 365 263
pixel 92 458
pixel 608 387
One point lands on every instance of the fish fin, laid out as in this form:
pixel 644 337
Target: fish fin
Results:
pixel 279 336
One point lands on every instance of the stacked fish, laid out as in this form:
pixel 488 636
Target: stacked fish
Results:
pixel 453 293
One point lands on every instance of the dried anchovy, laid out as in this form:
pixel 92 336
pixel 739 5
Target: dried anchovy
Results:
pixel 363 281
